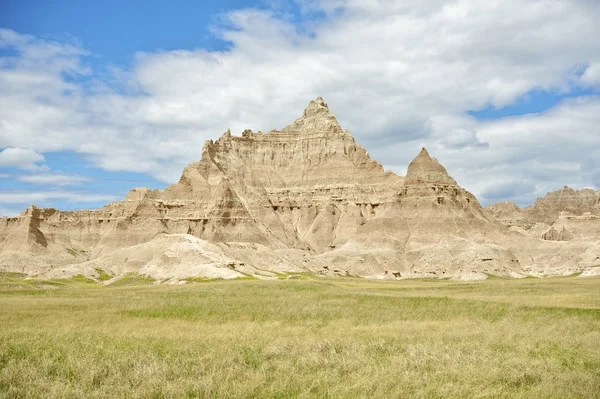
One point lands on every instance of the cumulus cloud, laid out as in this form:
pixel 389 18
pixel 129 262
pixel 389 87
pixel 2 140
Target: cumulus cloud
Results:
pixel 537 153
pixel 501 189
pixel 54 179
pixel 399 75
pixel 23 158
pixel 591 76
pixel 22 197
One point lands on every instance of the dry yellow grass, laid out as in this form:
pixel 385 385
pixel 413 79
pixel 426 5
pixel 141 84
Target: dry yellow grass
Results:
pixel 331 338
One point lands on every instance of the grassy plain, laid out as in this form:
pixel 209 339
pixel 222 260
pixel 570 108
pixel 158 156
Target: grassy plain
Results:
pixel 310 337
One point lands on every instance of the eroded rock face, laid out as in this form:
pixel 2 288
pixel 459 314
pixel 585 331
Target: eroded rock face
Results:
pixel 558 235
pixel 308 187
pixel 505 211
pixel 293 188
pixel 307 197
pixel 426 170
pixel 576 202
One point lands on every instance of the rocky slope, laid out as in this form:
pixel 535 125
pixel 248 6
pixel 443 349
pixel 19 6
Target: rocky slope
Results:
pixel 562 230
pixel 562 209
pixel 306 198
pixel 575 202
pixel 505 211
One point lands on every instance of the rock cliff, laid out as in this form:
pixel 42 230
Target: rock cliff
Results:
pixel 558 235
pixel 305 198
pixel 576 202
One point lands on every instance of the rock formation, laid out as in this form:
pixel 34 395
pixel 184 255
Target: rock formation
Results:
pixel 426 170
pixel 505 211
pixel 306 198
pixel 558 235
pixel 576 202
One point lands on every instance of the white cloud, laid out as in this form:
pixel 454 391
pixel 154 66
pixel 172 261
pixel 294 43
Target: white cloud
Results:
pixel 42 196
pixel 54 179
pixel 591 76
pixel 4 175
pixel 398 75
pixel 542 152
pixel 23 158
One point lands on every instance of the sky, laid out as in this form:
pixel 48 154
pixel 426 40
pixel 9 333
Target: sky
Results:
pixel 99 97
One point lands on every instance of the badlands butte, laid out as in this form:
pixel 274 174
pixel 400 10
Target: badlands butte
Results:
pixel 307 199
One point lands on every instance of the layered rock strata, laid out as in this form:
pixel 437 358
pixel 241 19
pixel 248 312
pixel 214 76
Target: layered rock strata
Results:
pixel 306 198
pixel 561 230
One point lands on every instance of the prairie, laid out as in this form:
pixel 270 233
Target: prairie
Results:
pixel 301 338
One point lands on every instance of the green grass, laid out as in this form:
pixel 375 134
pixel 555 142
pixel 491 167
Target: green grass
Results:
pixel 5 274
pixel 322 338
pixel 207 280
pixel 102 275
pixel 133 279
pixel 200 279
pixel 76 251
pixel 294 276
pixel 80 278
pixel 14 282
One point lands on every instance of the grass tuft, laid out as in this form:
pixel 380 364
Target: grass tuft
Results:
pixel 132 279
pixel 102 275
pixel 200 279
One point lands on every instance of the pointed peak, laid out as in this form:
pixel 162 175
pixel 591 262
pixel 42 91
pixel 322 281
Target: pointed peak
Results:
pixel 426 170
pixel 424 157
pixel 504 205
pixel 316 118
pixel 317 103
pixel 30 210
pixel 317 106
pixel 137 194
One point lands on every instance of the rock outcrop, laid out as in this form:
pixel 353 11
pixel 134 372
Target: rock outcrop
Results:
pixel 306 198
pixel 505 211
pixel 426 170
pixel 558 235
pixel 576 202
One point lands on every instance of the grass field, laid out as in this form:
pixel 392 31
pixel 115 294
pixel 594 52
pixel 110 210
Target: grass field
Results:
pixel 325 338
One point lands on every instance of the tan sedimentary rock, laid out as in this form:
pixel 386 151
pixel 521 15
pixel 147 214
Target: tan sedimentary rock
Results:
pixel 426 170
pixel 559 234
pixel 554 234
pixel 306 198
pixel 577 202
pixel 506 210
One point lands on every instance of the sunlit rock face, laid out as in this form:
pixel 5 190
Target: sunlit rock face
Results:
pixel 305 198
pixel 576 202
pixel 558 235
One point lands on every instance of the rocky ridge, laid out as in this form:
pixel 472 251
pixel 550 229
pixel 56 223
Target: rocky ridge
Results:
pixel 306 198
pixel 562 232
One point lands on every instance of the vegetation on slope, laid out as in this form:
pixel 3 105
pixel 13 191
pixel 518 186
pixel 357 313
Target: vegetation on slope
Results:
pixel 304 338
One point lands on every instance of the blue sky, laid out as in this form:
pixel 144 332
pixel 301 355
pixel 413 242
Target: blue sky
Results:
pixel 112 31
pixel 100 97
pixel 115 30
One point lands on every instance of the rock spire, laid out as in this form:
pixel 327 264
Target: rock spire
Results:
pixel 316 118
pixel 426 170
